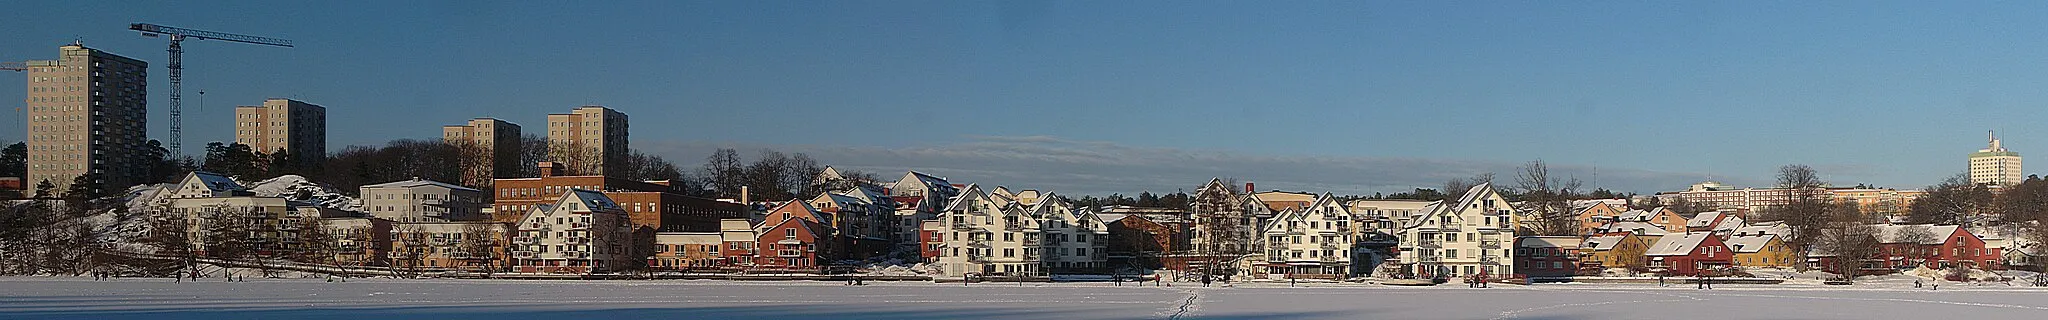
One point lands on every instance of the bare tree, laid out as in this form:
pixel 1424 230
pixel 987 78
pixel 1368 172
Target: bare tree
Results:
pixel 1853 246
pixel 1954 201
pixel 1549 199
pixel 533 149
pixel 316 241
pixel 724 171
pixel 476 161
pixel 1806 207
pixel 1455 188
pixel 483 244
pixel 409 250
pixel 577 157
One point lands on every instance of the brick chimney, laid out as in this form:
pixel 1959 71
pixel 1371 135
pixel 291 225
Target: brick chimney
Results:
pixel 1248 188
pixel 550 168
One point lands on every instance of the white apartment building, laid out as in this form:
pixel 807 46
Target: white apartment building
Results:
pixel 583 232
pixel 1075 240
pixel 1995 165
pixel 985 236
pixel 1312 242
pixel 1463 237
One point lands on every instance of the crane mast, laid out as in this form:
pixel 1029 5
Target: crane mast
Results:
pixel 177 66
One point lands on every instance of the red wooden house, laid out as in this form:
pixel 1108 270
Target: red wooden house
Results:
pixel 793 244
pixel 1687 254
pixel 930 239
pixel 1908 246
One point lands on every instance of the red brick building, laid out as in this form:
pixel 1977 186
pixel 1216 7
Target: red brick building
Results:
pixel 649 204
pixel 793 244
pixel 1538 257
pixel 1142 241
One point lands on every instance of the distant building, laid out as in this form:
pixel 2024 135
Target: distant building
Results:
pixel 592 139
pixel 420 200
pixel 1722 196
pixel 1462 238
pixel 86 115
pixel 1547 256
pixel 297 128
pixel 1995 165
pixel 497 141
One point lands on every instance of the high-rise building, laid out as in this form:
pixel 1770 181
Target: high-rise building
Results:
pixel 496 142
pixel 591 139
pixel 1995 165
pixel 298 128
pixel 86 115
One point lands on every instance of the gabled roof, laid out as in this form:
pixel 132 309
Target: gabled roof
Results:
pixel 1770 228
pixel 1678 244
pixel 589 200
pixel 1749 244
pixel 1282 200
pixel 417 182
pixel 1636 227
pixel 1729 224
pixel 971 192
pixel 1898 233
pixel 216 182
pixel 1604 242
pixel 1567 242
pixel 1703 220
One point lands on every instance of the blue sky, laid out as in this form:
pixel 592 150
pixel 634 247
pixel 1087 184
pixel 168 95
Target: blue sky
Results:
pixel 1097 96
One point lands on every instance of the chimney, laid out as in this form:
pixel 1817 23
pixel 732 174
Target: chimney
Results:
pixel 743 195
pixel 550 169
pixel 1248 188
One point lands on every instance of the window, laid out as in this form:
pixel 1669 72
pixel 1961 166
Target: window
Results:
pixel 789 232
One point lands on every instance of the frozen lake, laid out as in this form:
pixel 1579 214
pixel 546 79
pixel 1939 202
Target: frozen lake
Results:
pixel 82 298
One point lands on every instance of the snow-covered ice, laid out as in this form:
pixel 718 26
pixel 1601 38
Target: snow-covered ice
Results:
pixel 82 298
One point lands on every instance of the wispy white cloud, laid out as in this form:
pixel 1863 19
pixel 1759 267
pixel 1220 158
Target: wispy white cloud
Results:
pixel 1098 167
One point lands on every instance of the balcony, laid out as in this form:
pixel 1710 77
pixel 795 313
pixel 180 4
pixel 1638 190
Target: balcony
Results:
pixel 1428 243
pixel 1430 258
pixel 1030 255
pixel 1013 226
pixel 1330 258
pixel 789 253
pixel 523 254
pixel 575 254
pixel 1331 245
pixel 1452 227
pixel 1489 260
pixel 578 225
pixel 522 239
pixel 962 226
pixel 1489 244
pixel 977 258
pixel 1030 241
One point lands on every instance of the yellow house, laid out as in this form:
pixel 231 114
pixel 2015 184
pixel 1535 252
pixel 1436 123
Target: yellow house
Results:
pixel 1614 250
pixel 1596 215
pixel 1764 250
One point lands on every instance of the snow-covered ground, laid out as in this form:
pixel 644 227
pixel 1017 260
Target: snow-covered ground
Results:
pixel 82 298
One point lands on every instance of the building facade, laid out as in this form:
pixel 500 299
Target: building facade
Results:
pixel 988 237
pixel 297 128
pixel 592 139
pixel 1995 165
pixel 419 200
pixel 1313 242
pixel 87 116
pixel 581 232
pixel 1462 238
pixel 496 142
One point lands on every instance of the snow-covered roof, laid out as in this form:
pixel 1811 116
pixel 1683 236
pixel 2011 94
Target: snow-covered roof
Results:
pixel 1730 224
pixel 216 182
pixel 1898 233
pixel 1566 242
pixel 1636 227
pixel 417 182
pixel 1677 244
pixel 1703 220
pixel 1749 244
pixel 1603 242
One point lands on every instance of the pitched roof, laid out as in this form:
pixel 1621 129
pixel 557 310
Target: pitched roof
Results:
pixel 1567 242
pixel 1749 244
pixel 1898 233
pixel 1703 220
pixel 1603 242
pixel 217 182
pixel 1770 228
pixel 416 182
pixel 1636 227
pixel 1677 244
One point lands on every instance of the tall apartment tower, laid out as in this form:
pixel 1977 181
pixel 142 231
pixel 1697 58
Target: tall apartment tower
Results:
pixel 86 115
pixel 498 142
pixel 1995 165
pixel 298 128
pixel 591 139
